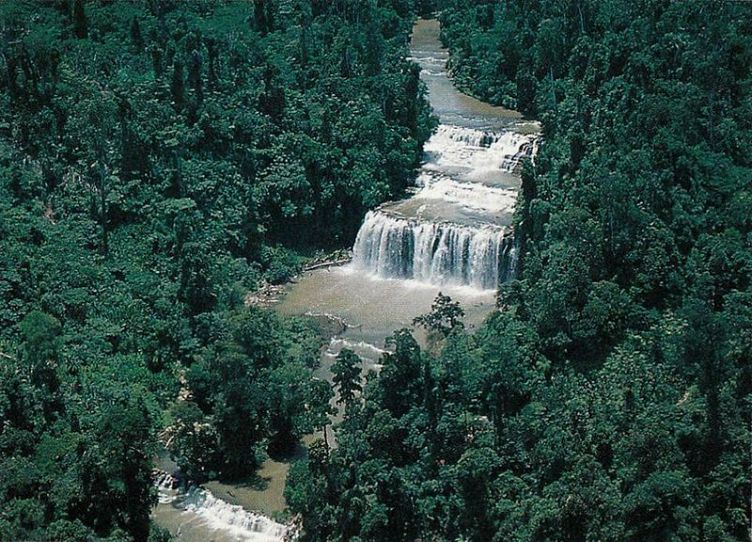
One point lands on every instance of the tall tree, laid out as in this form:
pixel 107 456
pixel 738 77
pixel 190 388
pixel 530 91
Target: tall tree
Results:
pixel 346 370
pixel 177 85
pixel 80 23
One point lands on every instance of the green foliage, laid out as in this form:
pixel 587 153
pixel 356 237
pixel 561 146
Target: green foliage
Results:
pixel 445 316
pixel 609 396
pixel 252 386
pixel 346 370
pixel 158 160
pixel 279 264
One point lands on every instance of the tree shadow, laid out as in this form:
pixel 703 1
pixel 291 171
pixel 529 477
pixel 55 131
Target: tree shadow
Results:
pixel 259 482
pixel 288 454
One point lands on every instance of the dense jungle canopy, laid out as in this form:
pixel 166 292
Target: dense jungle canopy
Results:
pixel 161 159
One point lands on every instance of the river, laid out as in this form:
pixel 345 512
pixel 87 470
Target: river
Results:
pixel 452 235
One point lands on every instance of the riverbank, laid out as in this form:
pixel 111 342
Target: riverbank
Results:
pixel 359 299
pixel 268 294
pixel 259 496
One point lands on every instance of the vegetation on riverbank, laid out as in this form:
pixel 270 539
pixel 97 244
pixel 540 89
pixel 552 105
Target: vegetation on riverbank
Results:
pixel 157 161
pixel 609 399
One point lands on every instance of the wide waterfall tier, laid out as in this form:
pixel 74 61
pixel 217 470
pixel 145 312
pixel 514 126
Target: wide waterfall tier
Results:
pixel 437 253
pixel 455 229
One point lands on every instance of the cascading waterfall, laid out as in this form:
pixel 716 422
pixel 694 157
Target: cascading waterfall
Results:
pixel 222 515
pixel 476 149
pixel 464 241
pixel 471 195
pixel 437 253
pixel 218 515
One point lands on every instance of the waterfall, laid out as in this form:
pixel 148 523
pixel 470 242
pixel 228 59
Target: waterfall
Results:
pixel 454 229
pixel 470 195
pixel 222 515
pixel 166 484
pixel 438 253
pixel 198 504
pixel 456 146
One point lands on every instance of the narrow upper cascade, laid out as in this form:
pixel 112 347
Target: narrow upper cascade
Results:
pixel 476 150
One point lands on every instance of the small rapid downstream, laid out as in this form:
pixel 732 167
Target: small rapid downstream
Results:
pixel 452 235
pixel 196 515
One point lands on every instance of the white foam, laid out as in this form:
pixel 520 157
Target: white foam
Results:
pixel 434 253
pixel 200 505
pixel 339 343
pixel 470 195
pixel 476 150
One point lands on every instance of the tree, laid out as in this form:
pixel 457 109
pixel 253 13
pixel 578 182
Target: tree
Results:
pixel 79 19
pixel 402 374
pixel 136 39
pixel 97 153
pixel 156 60
pixel 346 370
pixel 39 354
pixel 260 16
pixel 297 406
pixel 115 472
pixel 193 441
pixel 177 86
pixel 194 76
pixel 445 316
pixel 40 346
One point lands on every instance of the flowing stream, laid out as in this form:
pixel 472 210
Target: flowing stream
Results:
pixel 196 515
pixel 452 235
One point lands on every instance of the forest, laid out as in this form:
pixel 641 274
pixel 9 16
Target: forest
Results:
pixel 159 160
pixel 609 397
